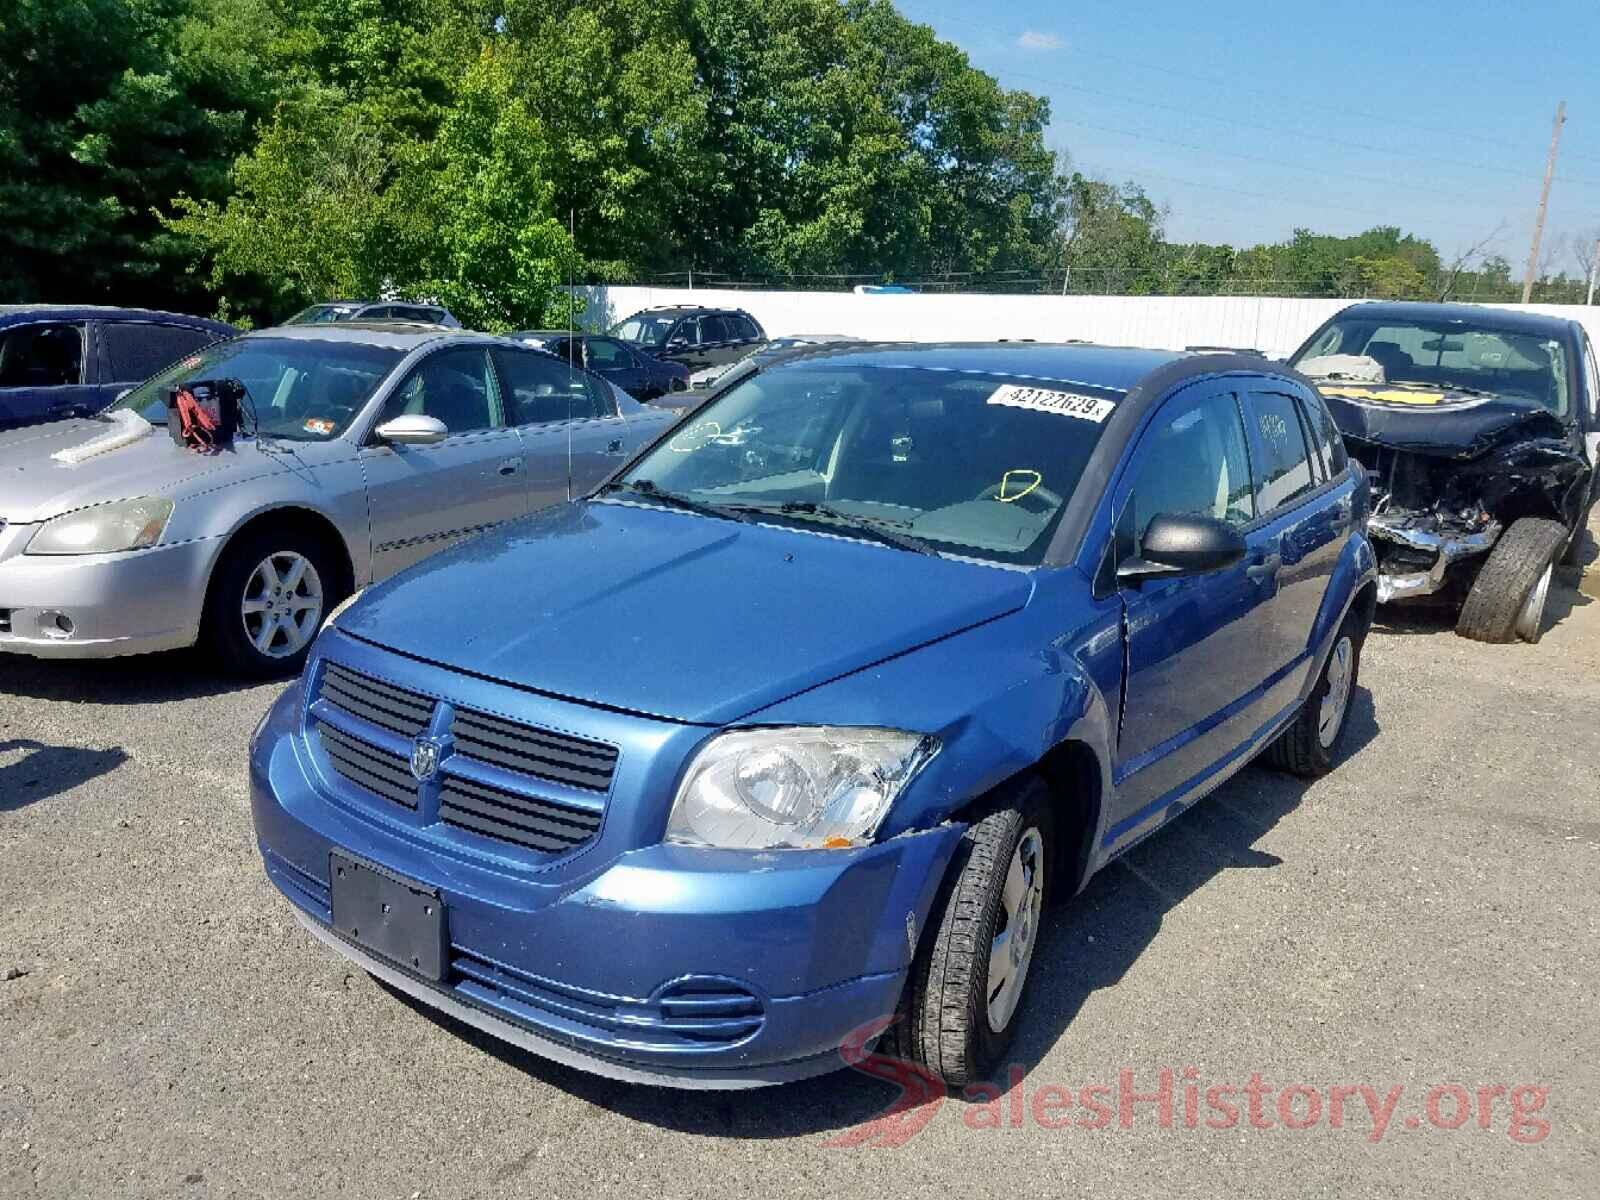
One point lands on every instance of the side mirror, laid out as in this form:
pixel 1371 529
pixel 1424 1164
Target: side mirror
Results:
pixel 413 429
pixel 1177 545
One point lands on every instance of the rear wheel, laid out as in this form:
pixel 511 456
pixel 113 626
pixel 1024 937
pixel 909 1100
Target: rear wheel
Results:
pixel 269 595
pixel 1309 746
pixel 1507 600
pixel 968 980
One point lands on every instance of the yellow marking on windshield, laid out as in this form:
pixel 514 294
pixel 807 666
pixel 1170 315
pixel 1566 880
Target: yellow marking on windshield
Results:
pixel 1005 480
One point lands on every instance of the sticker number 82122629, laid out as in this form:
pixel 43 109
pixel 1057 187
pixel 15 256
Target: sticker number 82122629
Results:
pixel 1067 404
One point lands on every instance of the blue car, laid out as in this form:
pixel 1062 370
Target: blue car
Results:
pixel 784 735
pixel 59 361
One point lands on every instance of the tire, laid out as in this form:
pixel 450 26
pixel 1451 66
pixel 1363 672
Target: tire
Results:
pixel 1507 599
pixel 241 602
pixel 1310 745
pixel 947 1021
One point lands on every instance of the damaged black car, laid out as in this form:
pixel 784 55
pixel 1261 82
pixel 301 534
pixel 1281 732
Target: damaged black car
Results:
pixel 1479 431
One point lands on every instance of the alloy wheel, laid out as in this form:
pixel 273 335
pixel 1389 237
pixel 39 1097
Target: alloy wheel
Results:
pixel 282 606
pixel 1531 616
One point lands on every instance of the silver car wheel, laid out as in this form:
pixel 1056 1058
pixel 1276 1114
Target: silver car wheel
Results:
pixel 1330 719
pixel 282 607
pixel 1012 949
pixel 1531 615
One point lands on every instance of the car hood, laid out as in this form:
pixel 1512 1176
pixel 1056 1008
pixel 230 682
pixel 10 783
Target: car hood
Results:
pixel 672 614
pixel 1438 422
pixel 34 487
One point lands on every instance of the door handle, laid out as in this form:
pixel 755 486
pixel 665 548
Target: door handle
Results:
pixel 614 446
pixel 510 466
pixel 1267 568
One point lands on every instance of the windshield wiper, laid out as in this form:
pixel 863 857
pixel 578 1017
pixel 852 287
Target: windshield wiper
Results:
pixel 875 528
pixel 648 489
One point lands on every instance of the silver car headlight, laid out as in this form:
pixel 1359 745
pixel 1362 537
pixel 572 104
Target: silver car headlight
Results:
pixel 795 787
pixel 104 528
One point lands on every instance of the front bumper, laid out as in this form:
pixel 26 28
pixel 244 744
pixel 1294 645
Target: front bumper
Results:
pixel 113 604
pixel 596 963
pixel 1447 549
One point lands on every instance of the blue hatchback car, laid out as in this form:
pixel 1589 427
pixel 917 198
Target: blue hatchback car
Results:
pixel 793 726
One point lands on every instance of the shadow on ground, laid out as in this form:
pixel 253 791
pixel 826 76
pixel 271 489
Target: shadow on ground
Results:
pixel 137 679
pixel 1090 943
pixel 1404 619
pixel 45 771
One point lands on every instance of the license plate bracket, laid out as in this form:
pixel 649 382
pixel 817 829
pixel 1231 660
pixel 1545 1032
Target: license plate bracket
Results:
pixel 396 918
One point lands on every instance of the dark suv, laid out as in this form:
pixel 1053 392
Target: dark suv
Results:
pixel 60 361
pixel 694 336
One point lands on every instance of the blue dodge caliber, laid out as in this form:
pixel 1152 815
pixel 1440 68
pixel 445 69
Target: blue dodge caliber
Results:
pixel 784 735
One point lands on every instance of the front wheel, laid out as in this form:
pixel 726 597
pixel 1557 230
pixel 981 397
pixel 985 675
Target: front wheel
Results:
pixel 268 597
pixel 1507 600
pixel 968 979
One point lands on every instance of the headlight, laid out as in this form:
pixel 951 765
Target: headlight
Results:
pixel 104 528
pixel 804 786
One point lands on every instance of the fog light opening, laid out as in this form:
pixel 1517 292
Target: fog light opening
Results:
pixel 56 625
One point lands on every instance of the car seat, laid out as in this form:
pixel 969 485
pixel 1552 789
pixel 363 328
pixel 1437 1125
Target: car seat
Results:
pixel 1391 356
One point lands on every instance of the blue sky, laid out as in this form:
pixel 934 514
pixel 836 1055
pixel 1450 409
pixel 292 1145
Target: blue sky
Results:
pixel 1248 118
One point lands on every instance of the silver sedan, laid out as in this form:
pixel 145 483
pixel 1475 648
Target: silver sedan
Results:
pixel 362 449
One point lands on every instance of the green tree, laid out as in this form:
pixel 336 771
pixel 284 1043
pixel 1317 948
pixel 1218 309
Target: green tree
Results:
pixel 108 108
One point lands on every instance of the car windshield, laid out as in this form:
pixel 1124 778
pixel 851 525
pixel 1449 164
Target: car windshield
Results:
pixel 300 389
pixel 964 463
pixel 644 329
pixel 1442 354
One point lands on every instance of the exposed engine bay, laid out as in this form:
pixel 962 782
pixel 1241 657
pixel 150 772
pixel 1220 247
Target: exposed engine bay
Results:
pixel 1448 478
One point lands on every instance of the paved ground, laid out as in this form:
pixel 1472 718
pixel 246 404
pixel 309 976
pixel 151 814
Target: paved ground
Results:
pixel 1427 915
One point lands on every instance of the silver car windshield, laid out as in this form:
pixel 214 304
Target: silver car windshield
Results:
pixel 964 463
pixel 298 389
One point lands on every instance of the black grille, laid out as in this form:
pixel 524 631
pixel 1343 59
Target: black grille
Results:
pixel 508 813
pixel 376 770
pixel 382 704
pixel 524 820
pixel 538 752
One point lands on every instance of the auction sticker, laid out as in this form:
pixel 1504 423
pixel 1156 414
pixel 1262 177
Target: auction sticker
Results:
pixel 1067 404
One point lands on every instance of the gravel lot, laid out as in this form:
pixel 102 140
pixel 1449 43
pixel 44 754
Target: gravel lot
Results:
pixel 1425 915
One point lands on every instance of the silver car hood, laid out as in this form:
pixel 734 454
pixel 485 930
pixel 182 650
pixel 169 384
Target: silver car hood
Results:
pixel 34 487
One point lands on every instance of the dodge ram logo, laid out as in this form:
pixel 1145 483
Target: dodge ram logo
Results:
pixel 424 759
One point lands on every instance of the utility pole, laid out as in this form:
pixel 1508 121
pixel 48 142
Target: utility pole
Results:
pixel 1594 271
pixel 1544 202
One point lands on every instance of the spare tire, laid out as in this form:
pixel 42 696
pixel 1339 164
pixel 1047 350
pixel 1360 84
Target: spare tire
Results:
pixel 1507 600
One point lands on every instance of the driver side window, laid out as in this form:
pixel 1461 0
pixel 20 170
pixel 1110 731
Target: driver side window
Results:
pixel 453 386
pixel 1195 464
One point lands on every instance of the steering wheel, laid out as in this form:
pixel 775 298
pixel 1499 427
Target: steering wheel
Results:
pixel 1035 499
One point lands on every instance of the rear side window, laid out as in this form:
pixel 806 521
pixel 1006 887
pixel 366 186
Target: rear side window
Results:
pixel 1282 459
pixel 41 356
pixel 715 329
pixel 1195 464
pixel 747 329
pixel 135 351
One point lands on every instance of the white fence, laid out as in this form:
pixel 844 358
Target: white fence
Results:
pixel 1273 324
